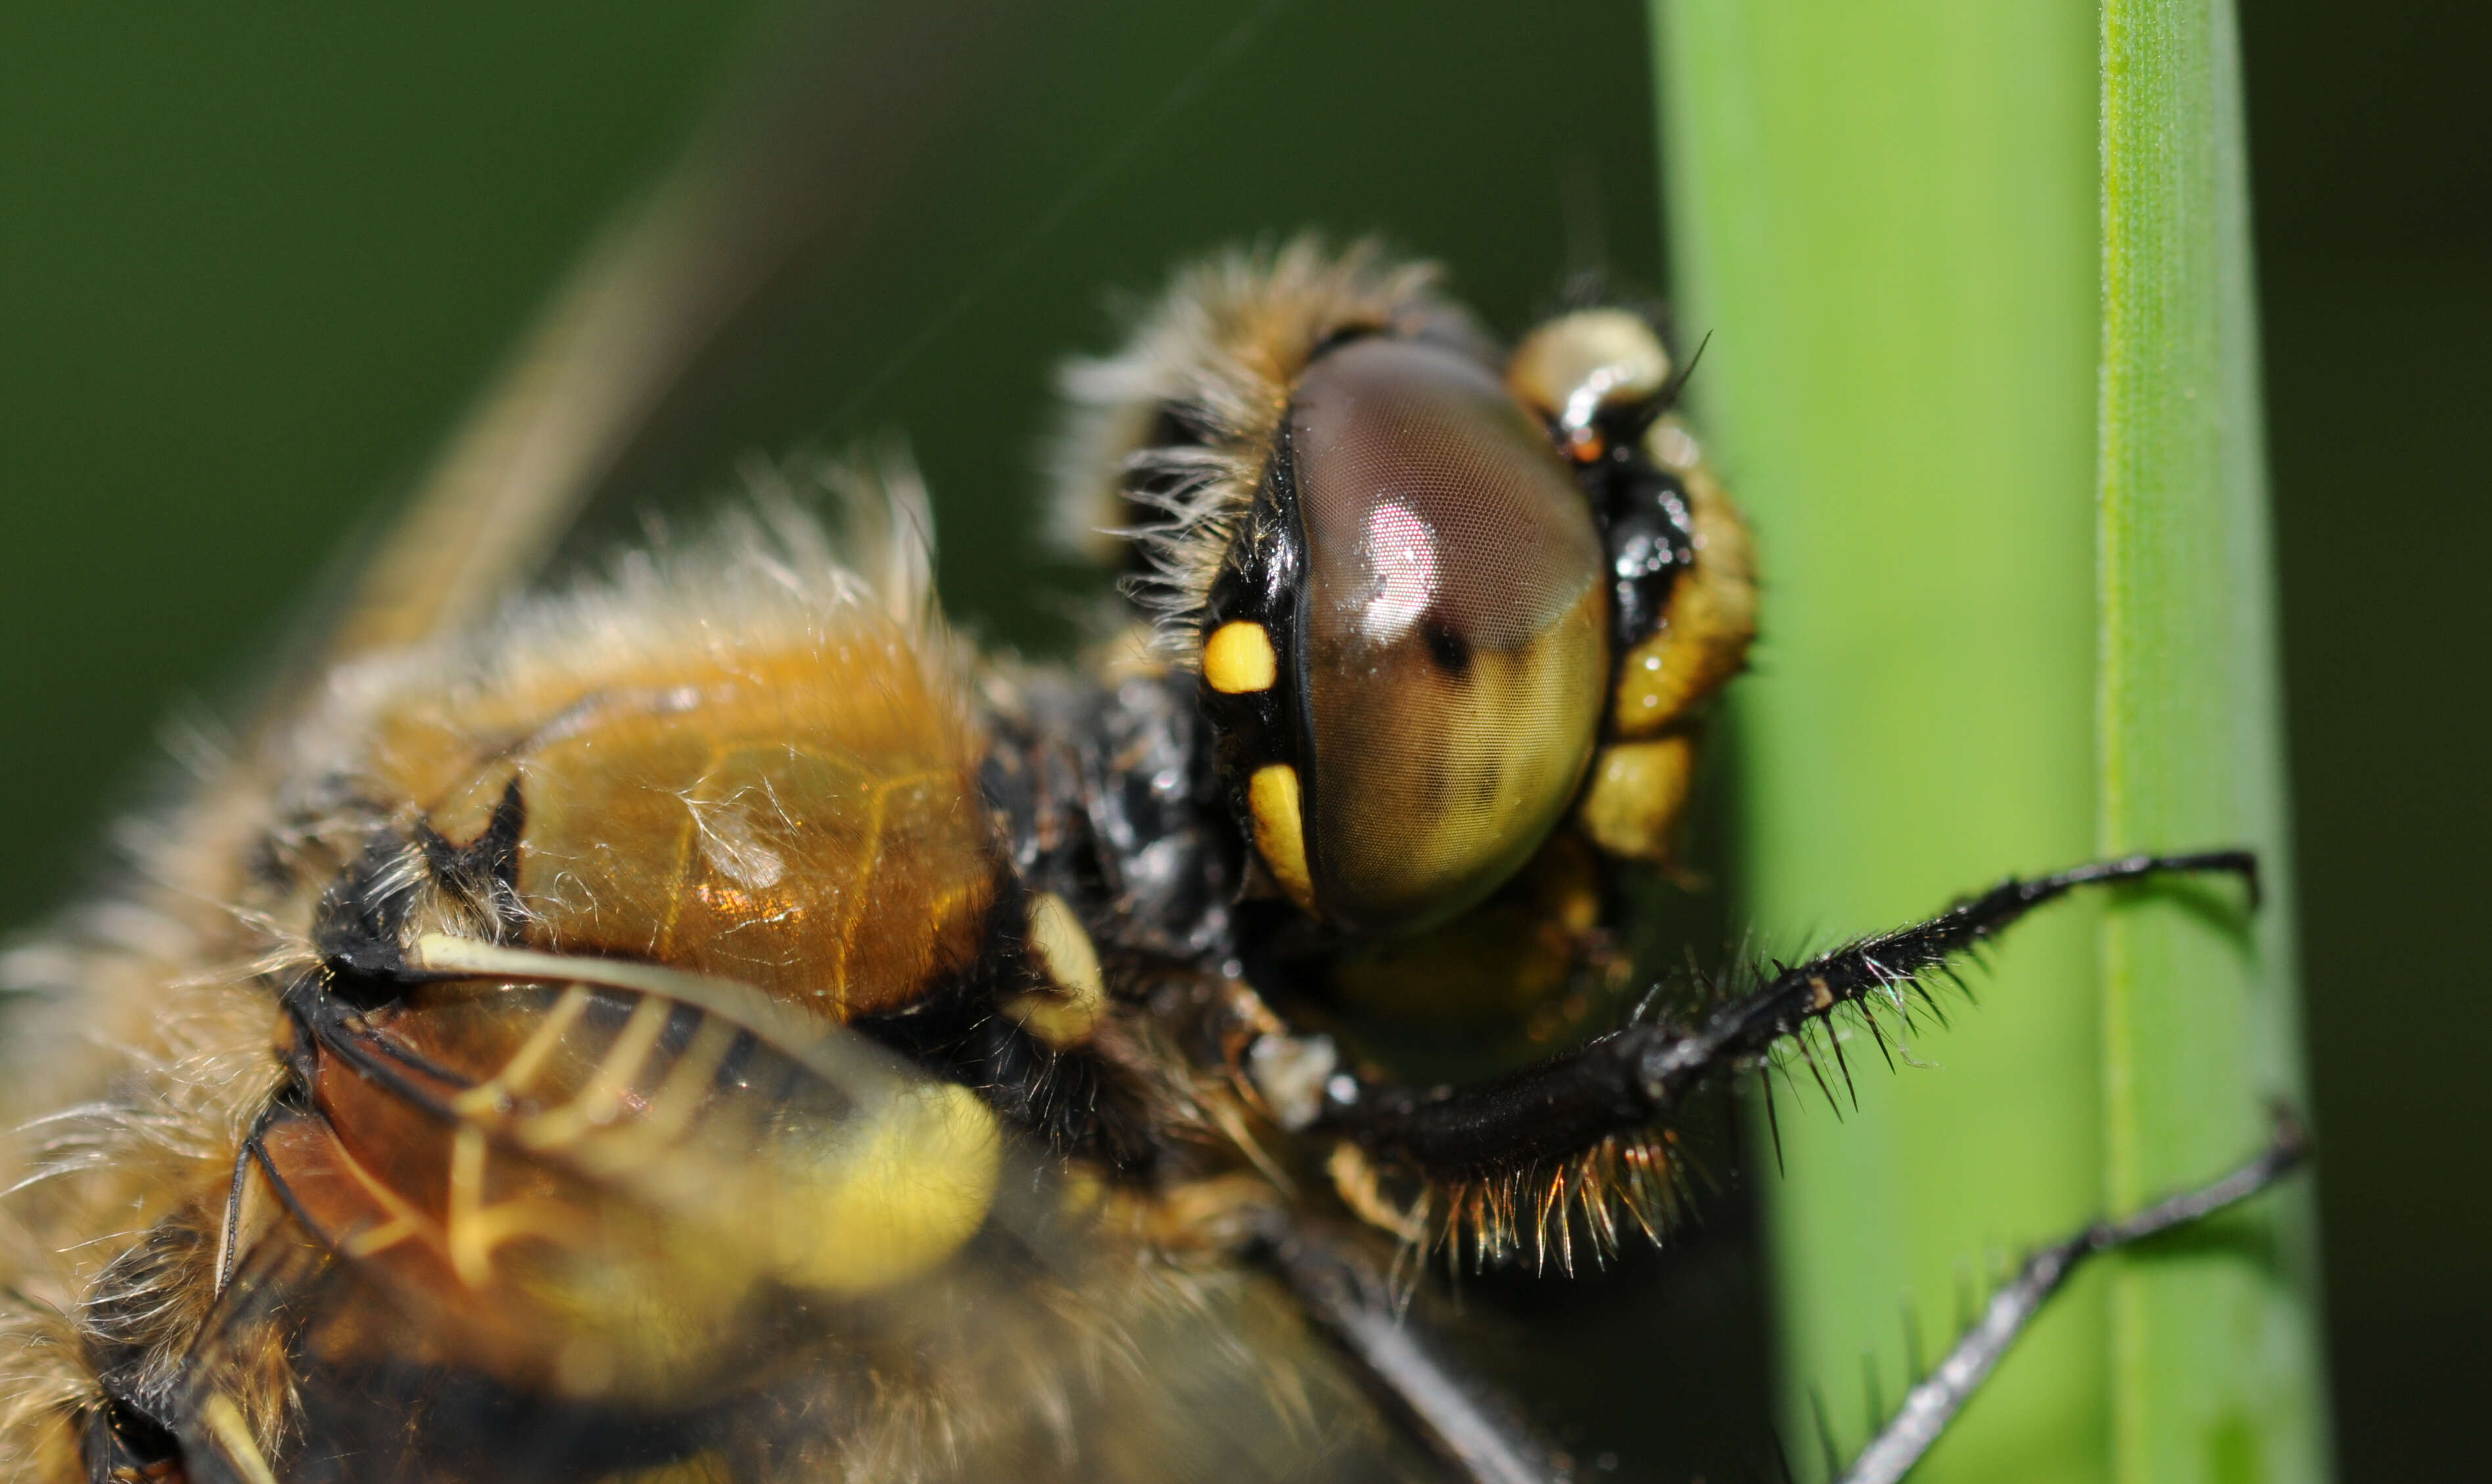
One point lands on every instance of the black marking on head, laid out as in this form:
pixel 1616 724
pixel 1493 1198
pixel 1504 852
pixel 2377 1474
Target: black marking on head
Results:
pixel 1648 529
pixel 1642 510
pixel 1263 580
pixel 1447 646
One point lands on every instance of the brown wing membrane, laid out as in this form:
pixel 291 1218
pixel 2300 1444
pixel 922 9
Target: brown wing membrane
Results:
pixel 544 1228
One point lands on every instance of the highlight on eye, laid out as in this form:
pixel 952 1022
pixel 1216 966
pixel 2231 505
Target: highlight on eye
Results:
pixel 1453 636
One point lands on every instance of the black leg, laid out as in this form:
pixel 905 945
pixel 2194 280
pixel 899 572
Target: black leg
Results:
pixel 1633 1077
pixel 1932 1404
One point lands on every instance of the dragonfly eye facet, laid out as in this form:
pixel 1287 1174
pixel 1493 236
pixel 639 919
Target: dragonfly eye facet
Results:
pixel 1442 645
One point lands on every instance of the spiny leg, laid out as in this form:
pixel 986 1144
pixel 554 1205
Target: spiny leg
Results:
pixel 1631 1079
pixel 1635 1077
pixel 1934 1401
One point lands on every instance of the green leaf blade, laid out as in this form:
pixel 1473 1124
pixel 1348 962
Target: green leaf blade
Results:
pixel 2214 1340
pixel 1892 221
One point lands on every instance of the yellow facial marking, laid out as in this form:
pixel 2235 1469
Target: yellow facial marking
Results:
pixel 1280 831
pixel 1238 660
pixel 1638 793
pixel 1574 365
pixel 1064 950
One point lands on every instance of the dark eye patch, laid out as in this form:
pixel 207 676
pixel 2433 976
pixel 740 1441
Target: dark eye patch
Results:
pixel 1448 649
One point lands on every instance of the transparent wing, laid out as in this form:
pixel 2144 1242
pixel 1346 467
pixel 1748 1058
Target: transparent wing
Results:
pixel 549 1220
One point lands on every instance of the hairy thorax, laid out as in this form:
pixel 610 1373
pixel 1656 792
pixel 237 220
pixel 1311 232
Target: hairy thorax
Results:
pixel 802 818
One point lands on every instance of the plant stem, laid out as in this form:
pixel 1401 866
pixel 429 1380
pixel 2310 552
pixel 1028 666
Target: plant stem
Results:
pixel 2214 1349
pixel 1890 220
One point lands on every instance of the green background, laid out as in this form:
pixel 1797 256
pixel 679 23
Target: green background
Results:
pixel 252 265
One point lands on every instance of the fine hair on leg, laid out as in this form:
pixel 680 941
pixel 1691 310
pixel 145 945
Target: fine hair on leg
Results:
pixel 1636 1077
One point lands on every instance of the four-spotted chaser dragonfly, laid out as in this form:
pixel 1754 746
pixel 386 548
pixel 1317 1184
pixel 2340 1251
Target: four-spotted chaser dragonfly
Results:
pixel 708 1021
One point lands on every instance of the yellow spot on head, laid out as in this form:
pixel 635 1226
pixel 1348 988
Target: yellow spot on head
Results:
pixel 1238 660
pixel 1638 795
pixel 1572 367
pixel 1280 832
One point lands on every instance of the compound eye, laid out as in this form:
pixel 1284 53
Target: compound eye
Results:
pixel 1456 649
